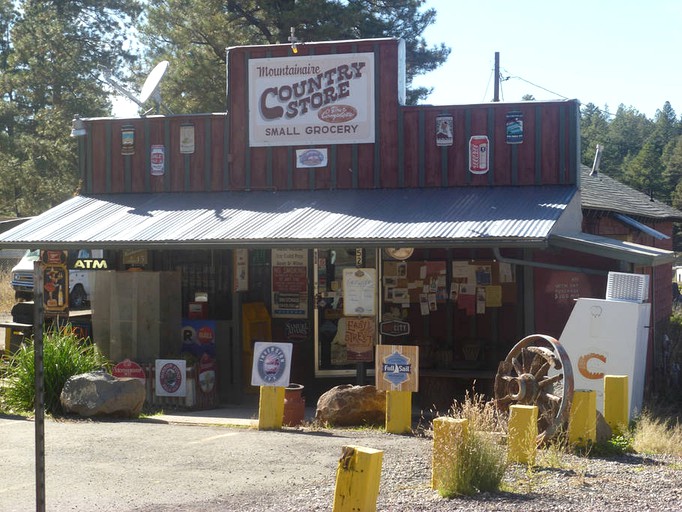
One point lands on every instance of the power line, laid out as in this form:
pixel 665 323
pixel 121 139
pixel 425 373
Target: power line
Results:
pixel 538 86
pixel 504 79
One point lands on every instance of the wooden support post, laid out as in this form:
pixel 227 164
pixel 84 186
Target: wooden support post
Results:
pixel 399 412
pixel 582 421
pixel 357 479
pixel 523 432
pixel 616 406
pixel 271 408
pixel 448 435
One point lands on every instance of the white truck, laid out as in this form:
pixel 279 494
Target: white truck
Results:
pixel 79 280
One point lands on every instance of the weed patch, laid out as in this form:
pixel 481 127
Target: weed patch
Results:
pixel 64 355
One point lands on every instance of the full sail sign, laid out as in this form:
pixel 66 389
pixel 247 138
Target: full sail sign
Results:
pixel 319 99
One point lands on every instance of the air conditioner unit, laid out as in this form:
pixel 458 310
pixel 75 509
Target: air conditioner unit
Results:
pixel 627 287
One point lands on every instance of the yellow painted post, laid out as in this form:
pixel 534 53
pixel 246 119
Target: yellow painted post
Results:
pixel 357 479
pixel 399 412
pixel 271 408
pixel 448 436
pixel 616 406
pixel 523 431
pixel 582 421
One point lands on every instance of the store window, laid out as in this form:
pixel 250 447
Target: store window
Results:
pixel 345 332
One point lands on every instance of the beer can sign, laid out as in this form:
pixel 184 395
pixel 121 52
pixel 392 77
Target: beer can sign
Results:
pixel 158 159
pixel 478 154
pixel 514 127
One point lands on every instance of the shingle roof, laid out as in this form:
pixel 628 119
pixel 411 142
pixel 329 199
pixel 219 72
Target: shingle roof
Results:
pixel 601 192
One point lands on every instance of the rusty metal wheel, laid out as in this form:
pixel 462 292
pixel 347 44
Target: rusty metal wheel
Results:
pixel 537 371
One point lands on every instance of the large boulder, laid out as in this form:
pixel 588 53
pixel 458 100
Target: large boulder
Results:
pixel 102 394
pixel 349 405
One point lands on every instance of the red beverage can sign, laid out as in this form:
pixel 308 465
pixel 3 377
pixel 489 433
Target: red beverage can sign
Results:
pixel 158 158
pixel 478 154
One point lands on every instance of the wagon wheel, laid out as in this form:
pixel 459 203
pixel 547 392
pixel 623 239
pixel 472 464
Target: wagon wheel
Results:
pixel 537 371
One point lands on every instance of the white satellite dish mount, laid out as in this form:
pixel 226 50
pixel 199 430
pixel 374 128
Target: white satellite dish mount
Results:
pixel 150 88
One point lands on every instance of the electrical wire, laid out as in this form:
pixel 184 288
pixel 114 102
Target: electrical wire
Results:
pixel 510 76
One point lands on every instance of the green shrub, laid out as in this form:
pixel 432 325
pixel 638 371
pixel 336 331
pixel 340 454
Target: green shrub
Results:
pixel 64 355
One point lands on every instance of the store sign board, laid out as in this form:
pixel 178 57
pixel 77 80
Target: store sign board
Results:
pixel 359 339
pixel 394 328
pixel 55 287
pixel 271 364
pixel 397 368
pixel 289 283
pixel 359 292
pixel 129 369
pixel 315 99
pixel 171 377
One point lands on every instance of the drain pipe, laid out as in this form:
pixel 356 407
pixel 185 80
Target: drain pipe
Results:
pixel 551 266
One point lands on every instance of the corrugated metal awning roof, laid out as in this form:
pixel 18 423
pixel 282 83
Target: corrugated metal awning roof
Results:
pixel 643 255
pixel 641 227
pixel 471 216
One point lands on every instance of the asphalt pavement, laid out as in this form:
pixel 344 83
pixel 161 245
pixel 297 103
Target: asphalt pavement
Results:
pixel 190 461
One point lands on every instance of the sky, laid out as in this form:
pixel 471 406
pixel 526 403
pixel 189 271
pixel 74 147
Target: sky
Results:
pixel 604 52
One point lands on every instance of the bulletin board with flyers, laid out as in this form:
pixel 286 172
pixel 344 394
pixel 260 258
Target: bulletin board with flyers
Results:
pixel 478 285
pixel 473 285
pixel 415 282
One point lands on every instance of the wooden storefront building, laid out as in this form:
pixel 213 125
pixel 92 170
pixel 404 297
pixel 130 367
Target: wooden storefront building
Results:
pixel 467 218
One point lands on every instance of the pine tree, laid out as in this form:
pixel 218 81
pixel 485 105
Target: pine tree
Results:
pixel 194 36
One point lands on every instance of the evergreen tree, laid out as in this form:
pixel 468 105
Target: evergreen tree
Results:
pixel 51 59
pixel 594 128
pixel 194 36
pixel 644 172
pixel 627 133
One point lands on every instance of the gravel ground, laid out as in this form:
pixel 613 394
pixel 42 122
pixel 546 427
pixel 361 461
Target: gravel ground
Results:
pixel 571 483
pixel 137 466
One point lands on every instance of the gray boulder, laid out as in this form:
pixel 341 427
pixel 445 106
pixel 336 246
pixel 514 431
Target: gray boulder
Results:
pixel 349 405
pixel 102 394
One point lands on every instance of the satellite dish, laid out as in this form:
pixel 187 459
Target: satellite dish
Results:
pixel 150 89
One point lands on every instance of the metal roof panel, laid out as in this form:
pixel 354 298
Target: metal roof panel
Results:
pixel 500 215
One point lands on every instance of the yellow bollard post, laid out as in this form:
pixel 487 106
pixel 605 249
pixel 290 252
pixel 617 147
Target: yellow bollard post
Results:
pixel 616 406
pixel 448 435
pixel 523 431
pixel 271 408
pixel 582 421
pixel 357 479
pixel 399 412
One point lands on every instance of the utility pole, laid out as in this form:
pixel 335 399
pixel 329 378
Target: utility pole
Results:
pixel 496 96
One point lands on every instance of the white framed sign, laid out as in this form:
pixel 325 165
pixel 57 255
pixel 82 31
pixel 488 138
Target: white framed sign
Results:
pixel 171 377
pixel 359 291
pixel 311 100
pixel 271 364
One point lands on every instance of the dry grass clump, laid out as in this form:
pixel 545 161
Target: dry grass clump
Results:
pixel 478 461
pixel 657 435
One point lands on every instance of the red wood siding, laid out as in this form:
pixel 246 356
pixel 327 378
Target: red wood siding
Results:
pixel 405 153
